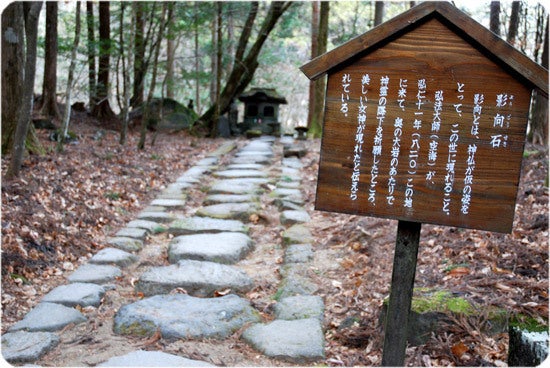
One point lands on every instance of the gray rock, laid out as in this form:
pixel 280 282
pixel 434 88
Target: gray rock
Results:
pixel 297 341
pixel 49 317
pixel 194 225
pixel 229 198
pixel 288 184
pixel 96 274
pixel 252 153
pixel 195 172
pixel 256 159
pixel 300 307
pixel 291 217
pixel 240 174
pixel 224 149
pixel 208 161
pixel 287 205
pixel 294 286
pixel 150 226
pixel 141 358
pixel 22 346
pixel 245 167
pixel 180 185
pixel 238 186
pixel 183 316
pixel 198 278
pixel 527 348
pixel 286 193
pixel 297 234
pixel 161 217
pixel 298 253
pixel 292 162
pixel 127 244
pixel 237 211
pixel 291 172
pixel 113 256
pixel 169 203
pixel 83 294
pixel 221 247
pixel 131 232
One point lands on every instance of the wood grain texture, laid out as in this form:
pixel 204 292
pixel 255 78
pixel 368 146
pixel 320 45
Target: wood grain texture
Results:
pixel 445 60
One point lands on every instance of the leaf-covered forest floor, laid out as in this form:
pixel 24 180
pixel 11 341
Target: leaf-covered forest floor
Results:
pixel 62 208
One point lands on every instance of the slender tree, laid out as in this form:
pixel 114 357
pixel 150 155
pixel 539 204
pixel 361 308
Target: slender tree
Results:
pixel 494 18
pixel 140 65
pixel 378 12
pixel 67 113
pixel 514 22
pixel 170 56
pixel 197 56
pixel 102 108
pixel 126 59
pixel 92 97
pixel 316 126
pixel 315 13
pixel 48 105
pixel 539 120
pixel 31 12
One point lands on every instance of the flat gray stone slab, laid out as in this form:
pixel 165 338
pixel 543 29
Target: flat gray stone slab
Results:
pixel 224 149
pixel 238 186
pixel 245 167
pixel 288 184
pixel 297 234
pixel 132 232
pixel 150 226
pixel 96 274
pixel 291 217
pixel 23 347
pixel 240 174
pixel 298 253
pixel 198 278
pixel 296 285
pixel 158 216
pixel 292 162
pixel 180 185
pixel 141 358
pixel 256 159
pixel 254 153
pixel 300 307
pixel 298 341
pixel 197 224
pixel 287 192
pixel 168 203
pixel 287 205
pixel 229 198
pixel 291 172
pixel 125 243
pixel 83 294
pixel 110 256
pixel 224 248
pixel 208 161
pixel 238 211
pixel 195 172
pixel 182 316
pixel 49 317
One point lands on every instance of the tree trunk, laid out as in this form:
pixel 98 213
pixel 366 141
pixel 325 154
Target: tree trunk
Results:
pixel 242 73
pixel 378 12
pixel 314 53
pixel 170 57
pixel 316 127
pixel 197 60
pixel 67 114
pixel 48 105
pixel 494 21
pixel 92 99
pixel 31 11
pixel 514 22
pixel 139 54
pixel 539 120
pixel 126 67
pixel 219 45
pixel 102 108
pixel 13 62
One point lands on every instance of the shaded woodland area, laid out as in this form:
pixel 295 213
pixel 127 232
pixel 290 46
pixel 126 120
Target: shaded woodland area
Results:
pixel 93 73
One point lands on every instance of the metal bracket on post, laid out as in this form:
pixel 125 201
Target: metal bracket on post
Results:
pixel 402 284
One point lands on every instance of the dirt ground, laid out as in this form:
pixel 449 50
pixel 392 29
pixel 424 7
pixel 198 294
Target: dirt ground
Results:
pixel 63 207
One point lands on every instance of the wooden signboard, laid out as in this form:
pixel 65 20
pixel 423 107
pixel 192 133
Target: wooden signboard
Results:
pixel 424 126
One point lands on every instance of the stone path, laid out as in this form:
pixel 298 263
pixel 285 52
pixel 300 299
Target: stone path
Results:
pixel 200 289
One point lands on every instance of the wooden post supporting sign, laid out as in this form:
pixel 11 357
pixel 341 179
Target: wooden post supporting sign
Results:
pixel 425 120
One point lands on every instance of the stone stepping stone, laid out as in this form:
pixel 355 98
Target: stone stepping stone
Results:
pixel 182 316
pixel 291 173
pixel 83 294
pixel 256 159
pixel 23 346
pixel 194 172
pixel 150 226
pixel 224 248
pixel 197 224
pixel 245 167
pixel 115 256
pixel 199 278
pixel 132 232
pixel 297 341
pixel 48 317
pixel 292 162
pixel 127 244
pixel 208 161
pixel 294 285
pixel 238 186
pixel 254 153
pixel 240 174
pixel 229 198
pixel 291 217
pixel 180 185
pixel 300 307
pixel 287 193
pixel 157 216
pixel 169 203
pixel 238 211
pixel 224 149
pixel 297 234
pixel 288 184
pixel 298 253
pixel 141 358
pixel 283 205
pixel 96 274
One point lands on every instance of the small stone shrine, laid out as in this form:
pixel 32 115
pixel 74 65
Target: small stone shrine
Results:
pixel 261 111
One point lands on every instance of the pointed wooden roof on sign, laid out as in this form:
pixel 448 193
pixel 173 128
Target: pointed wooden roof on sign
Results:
pixel 467 28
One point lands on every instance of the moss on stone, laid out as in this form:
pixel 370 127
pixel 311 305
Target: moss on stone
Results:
pixel 429 300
